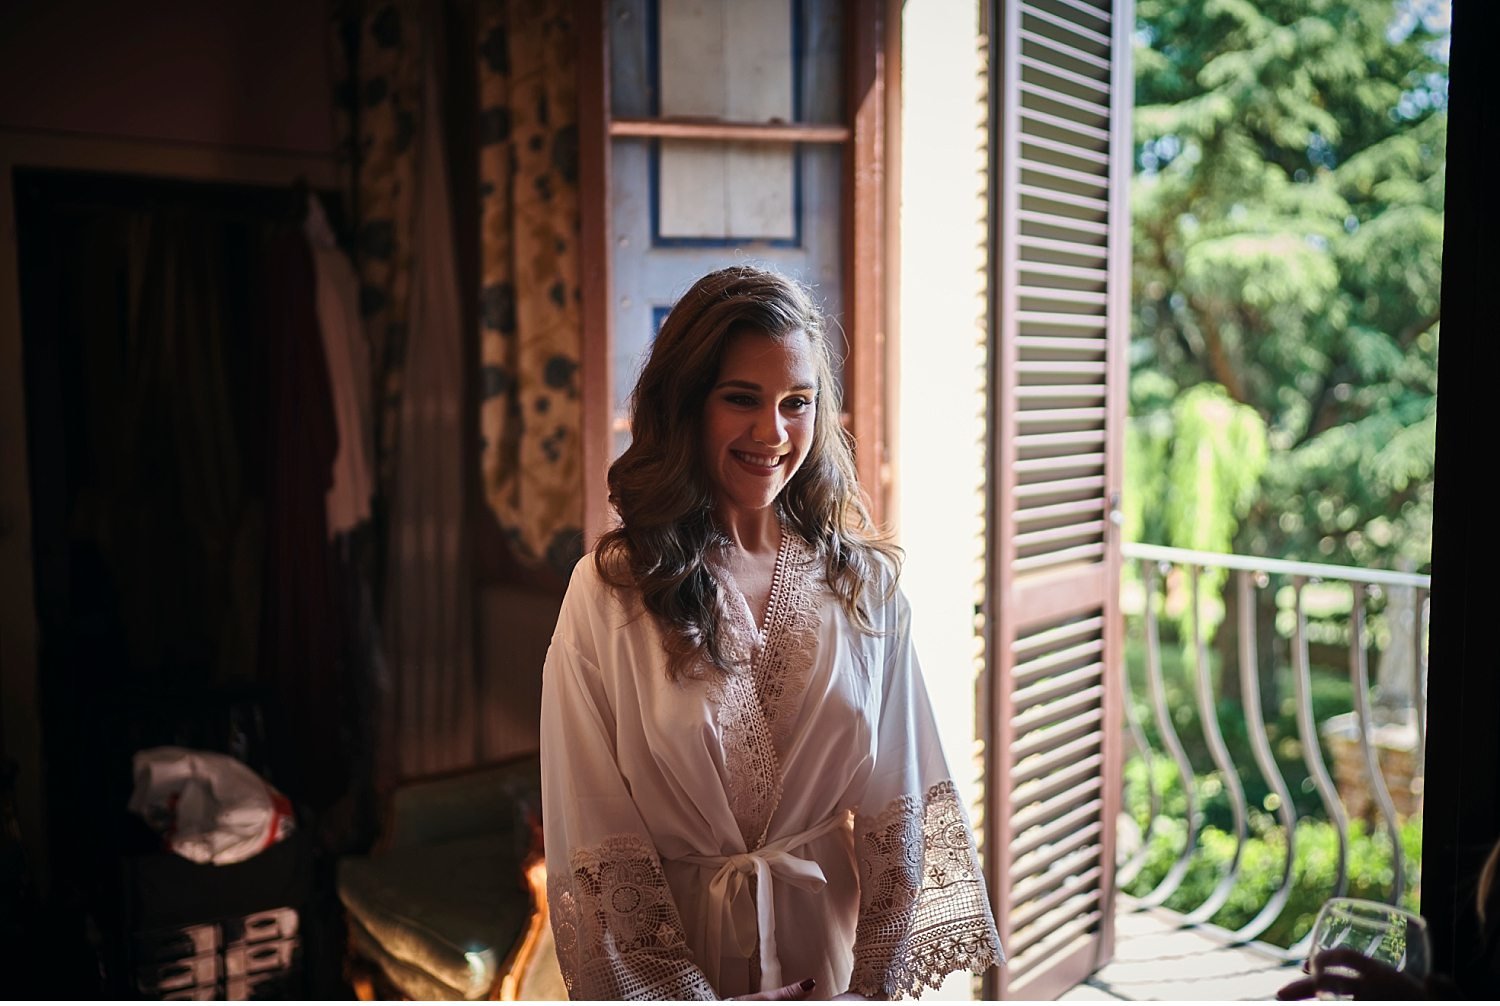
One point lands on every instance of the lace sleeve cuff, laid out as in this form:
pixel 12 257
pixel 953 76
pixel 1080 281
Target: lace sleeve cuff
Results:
pixel 616 926
pixel 924 912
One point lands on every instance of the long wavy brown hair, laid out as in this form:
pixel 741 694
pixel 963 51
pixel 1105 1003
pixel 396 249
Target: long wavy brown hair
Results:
pixel 667 540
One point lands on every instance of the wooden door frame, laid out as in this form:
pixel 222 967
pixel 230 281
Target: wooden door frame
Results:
pixel 1461 816
pixel 872 190
pixel 597 341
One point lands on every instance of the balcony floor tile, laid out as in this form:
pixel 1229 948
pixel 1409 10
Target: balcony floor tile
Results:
pixel 1156 959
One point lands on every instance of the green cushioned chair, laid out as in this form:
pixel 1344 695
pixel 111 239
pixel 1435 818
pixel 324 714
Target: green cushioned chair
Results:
pixel 452 903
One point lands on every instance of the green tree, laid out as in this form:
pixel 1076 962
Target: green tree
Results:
pixel 1201 455
pixel 1288 209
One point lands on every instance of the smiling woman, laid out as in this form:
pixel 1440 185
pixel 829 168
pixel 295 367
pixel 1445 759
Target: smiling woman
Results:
pixel 739 340
pixel 742 782
pixel 757 425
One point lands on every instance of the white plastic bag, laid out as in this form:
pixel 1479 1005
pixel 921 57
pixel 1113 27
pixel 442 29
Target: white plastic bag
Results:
pixel 209 807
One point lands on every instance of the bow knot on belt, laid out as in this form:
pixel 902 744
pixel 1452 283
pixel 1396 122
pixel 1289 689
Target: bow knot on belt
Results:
pixel 745 918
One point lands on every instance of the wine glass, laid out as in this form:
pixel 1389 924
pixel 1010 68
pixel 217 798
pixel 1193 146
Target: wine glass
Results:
pixel 1384 933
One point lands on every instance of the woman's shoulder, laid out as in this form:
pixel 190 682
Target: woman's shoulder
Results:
pixel 882 577
pixel 886 568
pixel 599 582
pixel 869 576
pixel 585 575
pixel 597 617
pixel 587 578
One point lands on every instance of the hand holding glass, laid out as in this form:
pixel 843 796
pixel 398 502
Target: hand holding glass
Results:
pixel 1382 933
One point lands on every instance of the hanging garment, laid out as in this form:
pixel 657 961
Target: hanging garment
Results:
pixel 716 835
pixel 347 355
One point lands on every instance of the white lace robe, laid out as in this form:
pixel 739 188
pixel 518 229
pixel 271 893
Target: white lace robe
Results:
pixel 706 838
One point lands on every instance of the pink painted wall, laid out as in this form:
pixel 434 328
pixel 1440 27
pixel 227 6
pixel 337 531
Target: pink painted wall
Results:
pixel 250 73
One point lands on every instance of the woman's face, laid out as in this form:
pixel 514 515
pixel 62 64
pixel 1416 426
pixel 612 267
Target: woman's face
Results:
pixel 758 419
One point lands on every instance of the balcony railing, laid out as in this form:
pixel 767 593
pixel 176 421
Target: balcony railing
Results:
pixel 1264 589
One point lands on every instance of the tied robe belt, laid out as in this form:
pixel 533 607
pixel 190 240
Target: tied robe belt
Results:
pixel 731 902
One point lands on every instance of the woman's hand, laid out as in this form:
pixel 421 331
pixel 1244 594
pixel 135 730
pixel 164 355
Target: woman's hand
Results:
pixel 796 990
pixel 1346 972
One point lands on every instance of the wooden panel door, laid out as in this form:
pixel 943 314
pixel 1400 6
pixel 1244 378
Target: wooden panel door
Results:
pixel 683 205
pixel 838 62
pixel 1060 95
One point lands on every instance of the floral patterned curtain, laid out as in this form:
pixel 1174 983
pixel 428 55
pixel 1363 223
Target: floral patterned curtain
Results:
pixel 429 692
pixel 530 338
pixel 380 57
pixel 530 300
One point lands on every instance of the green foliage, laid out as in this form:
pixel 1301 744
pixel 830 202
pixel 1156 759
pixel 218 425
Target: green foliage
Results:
pixel 1371 866
pixel 1287 210
pixel 1205 460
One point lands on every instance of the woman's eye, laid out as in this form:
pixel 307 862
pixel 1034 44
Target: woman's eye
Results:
pixel 798 404
pixel 743 400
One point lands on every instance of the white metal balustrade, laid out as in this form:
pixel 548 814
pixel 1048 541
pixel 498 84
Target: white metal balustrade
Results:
pixel 1253 576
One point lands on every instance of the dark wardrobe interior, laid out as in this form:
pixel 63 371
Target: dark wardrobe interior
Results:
pixel 187 589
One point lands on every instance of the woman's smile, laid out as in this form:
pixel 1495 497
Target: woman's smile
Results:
pixel 758 421
pixel 759 464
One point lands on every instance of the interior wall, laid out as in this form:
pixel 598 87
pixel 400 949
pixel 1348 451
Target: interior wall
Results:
pixel 939 411
pixel 246 75
pixel 515 627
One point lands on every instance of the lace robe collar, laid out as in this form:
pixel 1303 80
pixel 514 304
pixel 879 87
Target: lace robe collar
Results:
pixel 757 705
